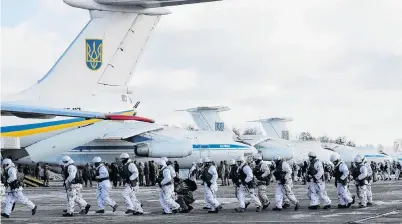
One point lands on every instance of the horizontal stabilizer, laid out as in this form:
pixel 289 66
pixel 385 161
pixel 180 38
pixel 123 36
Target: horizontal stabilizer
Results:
pixel 24 111
pixel 151 3
pixel 274 119
pixel 199 109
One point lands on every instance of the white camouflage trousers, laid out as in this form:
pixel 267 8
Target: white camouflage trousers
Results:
pixel 385 175
pixel 284 190
pixel 210 198
pixel 166 200
pixel 381 175
pixel 343 194
pixel 240 196
pixel 397 173
pixel 102 194
pixel 362 194
pixel 130 199
pixel 74 195
pixel 369 193
pixel 262 194
pixel 294 175
pixel 16 195
pixel 316 191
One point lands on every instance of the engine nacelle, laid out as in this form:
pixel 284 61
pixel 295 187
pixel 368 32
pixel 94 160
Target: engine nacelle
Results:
pixel 270 154
pixel 176 149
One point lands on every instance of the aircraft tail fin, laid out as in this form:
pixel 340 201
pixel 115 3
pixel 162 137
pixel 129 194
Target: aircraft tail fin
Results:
pixel 275 127
pixel 104 55
pixel 207 118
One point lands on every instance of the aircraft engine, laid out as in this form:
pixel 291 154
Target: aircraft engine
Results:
pixel 170 149
pixel 270 154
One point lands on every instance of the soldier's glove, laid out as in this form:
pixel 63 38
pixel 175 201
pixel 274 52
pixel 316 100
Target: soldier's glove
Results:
pixel 160 184
pixel 250 184
pixel 238 183
pixel 315 179
pixel 282 181
pixel 209 184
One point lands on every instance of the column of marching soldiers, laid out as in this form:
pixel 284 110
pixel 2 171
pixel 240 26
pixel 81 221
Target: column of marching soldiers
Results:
pixel 251 177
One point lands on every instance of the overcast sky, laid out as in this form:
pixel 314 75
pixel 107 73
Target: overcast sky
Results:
pixel 334 66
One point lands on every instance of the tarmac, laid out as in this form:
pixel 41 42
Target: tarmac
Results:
pixel 51 201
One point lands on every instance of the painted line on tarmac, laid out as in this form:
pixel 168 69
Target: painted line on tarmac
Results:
pixel 374 217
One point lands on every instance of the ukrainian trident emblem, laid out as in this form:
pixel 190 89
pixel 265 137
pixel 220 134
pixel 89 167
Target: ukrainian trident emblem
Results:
pixel 94 53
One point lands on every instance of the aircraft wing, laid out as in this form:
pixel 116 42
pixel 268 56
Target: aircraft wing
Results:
pixel 28 111
pixel 151 3
pixel 132 130
pixel 66 141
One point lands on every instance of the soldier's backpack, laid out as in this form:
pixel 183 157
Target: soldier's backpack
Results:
pixel 191 184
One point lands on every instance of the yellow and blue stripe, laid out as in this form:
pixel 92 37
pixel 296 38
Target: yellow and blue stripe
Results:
pixel 196 147
pixel 43 127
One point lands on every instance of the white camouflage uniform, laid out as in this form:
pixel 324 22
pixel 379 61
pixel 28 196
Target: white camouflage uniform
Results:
pixel 369 181
pixel 129 192
pixel 166 191
pixel 192 174
pixel 285 189
pixel 362 189
pixel 344 195
pixel 316 190
pixel 387 171
pixel 104 187
pixel 74 190
pixel 240 190
pixel 172 172
pixel 14 194
pixel 261 185
pixel 295 171
pixel 398 170
pixel 209 193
